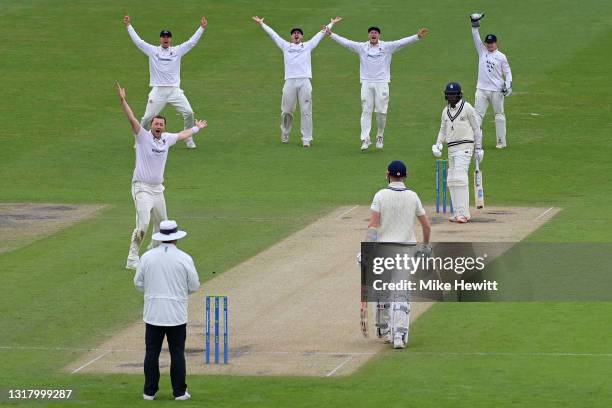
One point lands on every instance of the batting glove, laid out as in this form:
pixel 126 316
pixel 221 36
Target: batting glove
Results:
pixel 437 150
pixel 424 250
pixel 507 90
pixel 475 18
pixel 479 155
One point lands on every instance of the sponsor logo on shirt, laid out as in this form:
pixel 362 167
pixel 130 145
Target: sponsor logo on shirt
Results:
pixel 375 56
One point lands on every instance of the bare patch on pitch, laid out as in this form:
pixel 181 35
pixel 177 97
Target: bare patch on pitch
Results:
pixel 294 308
pixel 23 223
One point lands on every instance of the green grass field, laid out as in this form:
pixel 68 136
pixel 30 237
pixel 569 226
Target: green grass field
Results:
pixel 65 140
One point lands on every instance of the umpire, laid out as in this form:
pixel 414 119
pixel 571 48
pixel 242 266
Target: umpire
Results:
pixel 167 276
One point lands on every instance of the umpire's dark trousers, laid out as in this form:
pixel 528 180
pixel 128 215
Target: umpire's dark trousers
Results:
pixel 154 337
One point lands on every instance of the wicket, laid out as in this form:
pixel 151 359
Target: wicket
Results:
pixel 441 185
pixel 216 298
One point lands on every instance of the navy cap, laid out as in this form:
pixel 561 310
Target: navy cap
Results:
pixel 298 29
pixel 165 33
pixel 374 28
pixel 490 38
pixel 397 169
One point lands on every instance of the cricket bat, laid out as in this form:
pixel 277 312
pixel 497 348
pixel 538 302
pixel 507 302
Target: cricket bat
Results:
pixel 478 189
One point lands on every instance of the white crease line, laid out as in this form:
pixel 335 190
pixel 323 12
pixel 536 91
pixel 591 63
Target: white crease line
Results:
pixel 442 353
pixel 339 366
pixel 348 211
pixel 544 213
pixel 88 364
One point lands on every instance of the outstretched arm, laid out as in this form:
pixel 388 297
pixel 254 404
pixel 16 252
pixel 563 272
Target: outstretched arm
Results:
pixel 128 111
pixel 282 44
pixel 316 39
pixel 399 44
pixel 139 42
pixel 185 47
pixel 199 124
pixel 351 45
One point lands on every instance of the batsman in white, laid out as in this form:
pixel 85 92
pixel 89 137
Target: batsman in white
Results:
pixel 394 212
pixel 494 79
pixel 147 182
pixel 375 74
pixel 298 72
pixel 165 74
pixel 460 130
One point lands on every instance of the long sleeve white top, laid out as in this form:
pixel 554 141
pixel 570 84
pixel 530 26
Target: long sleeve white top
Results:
pixel 493 68
pixel 375 60
pixel 296 56
pixel 165 63
pixel 167 276
pixel 459 126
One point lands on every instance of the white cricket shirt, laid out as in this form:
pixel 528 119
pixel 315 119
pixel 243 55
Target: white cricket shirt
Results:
pixel 151 155
pixel 493 67
pixel 375 60
pixel 459 126
pixel 398 208
pixel 296 56
pixel 165 63
pixel 167 276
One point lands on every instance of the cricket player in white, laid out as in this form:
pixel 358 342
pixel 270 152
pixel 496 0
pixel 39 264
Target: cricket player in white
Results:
pixel 165 74
pixel 394 211
pixel 298 72
pixel 375 74
pixel 147 182
pixel 494 79
pixel 460 130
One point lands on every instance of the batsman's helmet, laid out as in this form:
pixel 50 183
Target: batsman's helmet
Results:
pixel 453 88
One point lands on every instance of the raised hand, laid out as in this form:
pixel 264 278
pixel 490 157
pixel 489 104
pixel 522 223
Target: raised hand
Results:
pixel 201 123
pixel 336 20
pixel 126 20
pixel 203 22
pixel 258 19
pixel 120 91
pixel 422 32
pixel 327 31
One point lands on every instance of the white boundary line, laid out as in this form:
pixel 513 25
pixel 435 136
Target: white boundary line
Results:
pixel 347 211
pixel 544 213
pixel 339 366
pixel 89 363
pixel 502 354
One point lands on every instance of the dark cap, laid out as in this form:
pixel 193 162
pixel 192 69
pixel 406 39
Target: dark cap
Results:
pixel 490 39
pixel 397 169
pixel 298 29
pixel 374 28
pixel 452 88
pixel 165 33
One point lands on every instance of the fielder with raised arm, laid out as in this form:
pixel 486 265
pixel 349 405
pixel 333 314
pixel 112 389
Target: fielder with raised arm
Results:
pixel 147 182
pixel 165 74
pixel 394 212
pixel 298 72
pixel 375 74
pixel 460 130
pixel 494 79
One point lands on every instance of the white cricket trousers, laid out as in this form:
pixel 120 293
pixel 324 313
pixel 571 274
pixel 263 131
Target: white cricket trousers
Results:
pixel 159 97
pixel 294 90
pixel 457 179
pixel 150 207
pixel 496 99
pixel 374 98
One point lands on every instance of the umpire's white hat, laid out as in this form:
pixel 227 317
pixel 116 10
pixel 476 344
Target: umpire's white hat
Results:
pixel 168 231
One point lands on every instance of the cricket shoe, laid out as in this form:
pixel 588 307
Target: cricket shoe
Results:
pixel 365 144
pixel 190 143
pixel 306 143
pixel 398 342
pixel 499 146
pixel 388 338
pixel 148 397
pixel 379 142
pixel 284 138
pixel 462 220
pixel 183 397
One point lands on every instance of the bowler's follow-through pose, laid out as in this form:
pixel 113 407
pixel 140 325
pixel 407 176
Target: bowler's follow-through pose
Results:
pixel 298 72
pixel 165 74
pixel 147 182
pixel 460 130
pixel 494 79
pixel 375 74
